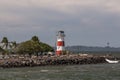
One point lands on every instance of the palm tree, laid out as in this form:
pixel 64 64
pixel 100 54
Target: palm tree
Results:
pixel 13 44
pixel 5 42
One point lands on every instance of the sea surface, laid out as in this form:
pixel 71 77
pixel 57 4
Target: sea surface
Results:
pixel 71 72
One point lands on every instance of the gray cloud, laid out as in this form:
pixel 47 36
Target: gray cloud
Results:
pixel 85 22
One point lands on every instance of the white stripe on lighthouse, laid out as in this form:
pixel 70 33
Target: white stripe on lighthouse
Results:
pixel 60 48
pixel 60 39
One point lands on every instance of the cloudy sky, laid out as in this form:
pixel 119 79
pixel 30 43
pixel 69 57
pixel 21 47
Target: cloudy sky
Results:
pixel 85 22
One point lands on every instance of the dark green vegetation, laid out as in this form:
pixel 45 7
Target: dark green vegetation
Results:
pixel 5 41
pixel 1 50
pixel 32 46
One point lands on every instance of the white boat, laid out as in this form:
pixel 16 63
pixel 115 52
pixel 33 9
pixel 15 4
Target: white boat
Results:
pixel 112 61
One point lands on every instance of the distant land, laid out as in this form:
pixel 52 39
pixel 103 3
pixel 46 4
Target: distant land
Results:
pixel 92 49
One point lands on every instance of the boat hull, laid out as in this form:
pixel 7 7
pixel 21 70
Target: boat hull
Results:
pixel 112 61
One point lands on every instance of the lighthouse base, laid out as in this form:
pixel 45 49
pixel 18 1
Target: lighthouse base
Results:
pixel 58 53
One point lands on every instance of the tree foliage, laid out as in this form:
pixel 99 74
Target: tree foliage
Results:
pixel 28 47
pixel 1 50
pixel 33 46
pixel 35 38
pixel 45 47
pixel 5 42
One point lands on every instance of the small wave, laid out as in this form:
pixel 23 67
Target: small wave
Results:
pixel 44 70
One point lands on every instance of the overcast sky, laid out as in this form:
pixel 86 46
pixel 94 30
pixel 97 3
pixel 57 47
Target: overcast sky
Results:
pixel 85 22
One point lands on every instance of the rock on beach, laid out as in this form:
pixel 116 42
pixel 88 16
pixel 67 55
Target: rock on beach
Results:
pixel 51 60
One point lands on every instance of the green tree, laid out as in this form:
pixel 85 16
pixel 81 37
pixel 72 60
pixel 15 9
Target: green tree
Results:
pixel 45 47
pixel 5 42
pixel 1 50
pixel 29 47
pixel 35 38
pixel 33 46
pixel 13 44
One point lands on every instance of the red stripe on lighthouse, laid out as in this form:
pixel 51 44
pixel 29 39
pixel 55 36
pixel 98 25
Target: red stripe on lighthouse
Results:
pixel 58 53
pixel 60 43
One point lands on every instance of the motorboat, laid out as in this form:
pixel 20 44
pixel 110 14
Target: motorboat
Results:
pixel 112 61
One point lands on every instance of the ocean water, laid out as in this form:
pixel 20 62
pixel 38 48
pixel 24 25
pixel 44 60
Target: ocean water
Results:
pixel 71 72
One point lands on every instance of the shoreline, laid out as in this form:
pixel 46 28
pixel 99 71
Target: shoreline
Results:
pixel 51 60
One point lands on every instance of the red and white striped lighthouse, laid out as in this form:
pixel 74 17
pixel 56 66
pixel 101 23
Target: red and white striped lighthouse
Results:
pixel 60 42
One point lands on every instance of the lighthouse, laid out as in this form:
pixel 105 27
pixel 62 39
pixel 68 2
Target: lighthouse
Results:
pixel 60 44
